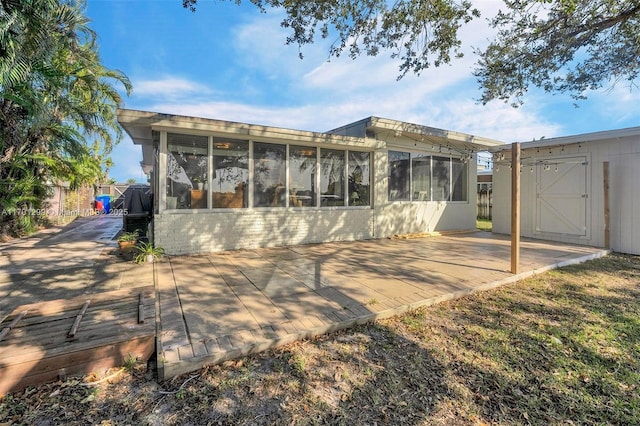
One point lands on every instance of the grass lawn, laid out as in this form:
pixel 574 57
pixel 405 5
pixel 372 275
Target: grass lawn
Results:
pixel 559 348
pixel 484 224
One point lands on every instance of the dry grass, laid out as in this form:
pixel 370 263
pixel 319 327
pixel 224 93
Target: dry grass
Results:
pixel 561 348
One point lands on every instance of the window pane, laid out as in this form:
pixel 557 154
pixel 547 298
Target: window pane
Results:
pixel 399 175
pixel 359 178
pixel 332 177
pixel 269 175
pixel 302 176
pixel 230 173
pixel 458 180
pixel 421 174
pixel 441 179
pixel 187 166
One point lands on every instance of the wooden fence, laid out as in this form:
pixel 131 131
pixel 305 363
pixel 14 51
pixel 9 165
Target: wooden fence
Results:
pixel 485 201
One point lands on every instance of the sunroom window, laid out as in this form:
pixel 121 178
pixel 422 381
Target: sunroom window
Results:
pixel 187 166
pixel 359 178
pixel 230 173
pixel 441 178
pixel 431 178
pixel 332 184
pixel 459 180
pixel 421 174
pixel 211 172
pixel 269 175
pixel 399 175
pixel 302 176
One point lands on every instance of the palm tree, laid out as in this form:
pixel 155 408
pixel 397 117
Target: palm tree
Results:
pixel 55 96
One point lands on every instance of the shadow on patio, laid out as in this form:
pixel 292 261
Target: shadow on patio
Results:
pixel 222 306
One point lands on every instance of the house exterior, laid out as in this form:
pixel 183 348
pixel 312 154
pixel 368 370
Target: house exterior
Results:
pixel 221 185
pixel 567 196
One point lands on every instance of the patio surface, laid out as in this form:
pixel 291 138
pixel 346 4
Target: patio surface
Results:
pixel 65 262
pixel 226 305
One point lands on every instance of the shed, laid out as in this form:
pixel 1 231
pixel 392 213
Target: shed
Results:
pixel 567 194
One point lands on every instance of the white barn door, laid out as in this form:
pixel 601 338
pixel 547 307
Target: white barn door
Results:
pixel 561 197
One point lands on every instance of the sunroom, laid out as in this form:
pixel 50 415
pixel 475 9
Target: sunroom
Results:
pixel 222 185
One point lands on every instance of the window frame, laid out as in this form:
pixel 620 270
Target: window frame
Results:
pixel 450 159
pixel 250 187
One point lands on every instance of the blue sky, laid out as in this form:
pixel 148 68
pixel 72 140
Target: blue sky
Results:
pixel 230 62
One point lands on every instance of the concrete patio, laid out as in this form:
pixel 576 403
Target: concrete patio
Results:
pixel 222 306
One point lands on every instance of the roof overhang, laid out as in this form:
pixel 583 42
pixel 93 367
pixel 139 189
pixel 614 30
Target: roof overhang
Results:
pixel 607 135
pixel 140 125
pixel 388 129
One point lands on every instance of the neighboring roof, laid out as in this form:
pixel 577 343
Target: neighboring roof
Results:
pixel 381 128
pixel 582 138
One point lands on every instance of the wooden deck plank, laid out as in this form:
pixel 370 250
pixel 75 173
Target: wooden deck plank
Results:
pixel 30 352
pixel 53 307
pixel 17 376
pixel 34 318
pixel 49 333
pixel 38 348
pixel 73 357
pixel 76 323
pixel 42 339
pixel 93 320
pixel 12 325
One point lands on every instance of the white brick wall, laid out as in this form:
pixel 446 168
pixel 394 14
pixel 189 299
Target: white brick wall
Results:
pixel 200 232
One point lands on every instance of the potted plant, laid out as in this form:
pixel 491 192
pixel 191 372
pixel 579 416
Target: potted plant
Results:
pixel 198 182
pixel 127 240
pixel 147 252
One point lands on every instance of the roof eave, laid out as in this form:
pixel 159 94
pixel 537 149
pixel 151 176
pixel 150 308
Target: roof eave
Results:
pixel 418 132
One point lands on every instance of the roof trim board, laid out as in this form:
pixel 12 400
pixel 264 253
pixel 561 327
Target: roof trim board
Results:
pixel 577 139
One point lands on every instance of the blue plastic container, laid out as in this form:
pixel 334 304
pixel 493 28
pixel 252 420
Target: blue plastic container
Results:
pixel 106 202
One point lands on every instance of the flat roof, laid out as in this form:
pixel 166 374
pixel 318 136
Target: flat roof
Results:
pixel 139 125
pixel 581 138
pixel 418 132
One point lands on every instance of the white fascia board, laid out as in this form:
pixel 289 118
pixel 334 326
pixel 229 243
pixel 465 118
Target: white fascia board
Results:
pixel 411 130
pixel 205 126
pixel 577 139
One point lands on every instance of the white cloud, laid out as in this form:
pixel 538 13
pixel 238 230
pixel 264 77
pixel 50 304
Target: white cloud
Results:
pixel 168 86
pixel 619 104
pixel 260 44
pixel 294 117
pixel 457 112
pixel 325 95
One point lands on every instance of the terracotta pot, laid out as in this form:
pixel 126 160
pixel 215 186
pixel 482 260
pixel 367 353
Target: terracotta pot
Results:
pixel 126 247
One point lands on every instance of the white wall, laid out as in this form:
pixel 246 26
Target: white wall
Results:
pixel 190 232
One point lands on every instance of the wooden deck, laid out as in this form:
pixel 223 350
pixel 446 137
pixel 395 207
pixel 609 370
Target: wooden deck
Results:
pixel 228 305
pixel 44 341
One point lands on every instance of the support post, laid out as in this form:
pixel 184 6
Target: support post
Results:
pixel 515 207
pixel 607 219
